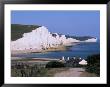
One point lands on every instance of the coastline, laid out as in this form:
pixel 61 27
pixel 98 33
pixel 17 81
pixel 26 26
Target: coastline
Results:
pixel 51 49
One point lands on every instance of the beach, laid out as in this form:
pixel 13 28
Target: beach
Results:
pixel 51 49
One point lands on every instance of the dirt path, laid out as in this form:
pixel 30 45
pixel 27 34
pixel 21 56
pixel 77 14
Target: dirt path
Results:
pixel 72 72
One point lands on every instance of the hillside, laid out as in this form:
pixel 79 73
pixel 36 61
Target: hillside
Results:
pixel 17 30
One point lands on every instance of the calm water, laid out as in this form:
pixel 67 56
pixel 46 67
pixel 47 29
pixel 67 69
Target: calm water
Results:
pixel 81 50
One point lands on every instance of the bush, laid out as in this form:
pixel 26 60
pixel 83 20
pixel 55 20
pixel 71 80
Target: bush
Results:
pixel 93 65
pixel 73 63
pixel 25 70
pixel 54 64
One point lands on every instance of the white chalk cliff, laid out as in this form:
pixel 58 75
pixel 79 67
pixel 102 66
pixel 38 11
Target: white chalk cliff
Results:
pixel 40 39
pixel 91 40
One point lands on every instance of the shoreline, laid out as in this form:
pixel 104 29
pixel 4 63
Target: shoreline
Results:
pixel 64 47
pixel 44 50
pixel 51 49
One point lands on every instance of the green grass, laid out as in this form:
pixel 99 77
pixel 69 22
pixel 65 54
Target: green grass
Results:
pixel 17 30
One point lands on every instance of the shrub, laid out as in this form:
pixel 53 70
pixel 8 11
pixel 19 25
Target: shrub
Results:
pixel 73 63
pixel 93 65
pixel 25 70
pixel 54 64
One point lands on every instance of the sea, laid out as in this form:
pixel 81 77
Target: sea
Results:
pixel 82 50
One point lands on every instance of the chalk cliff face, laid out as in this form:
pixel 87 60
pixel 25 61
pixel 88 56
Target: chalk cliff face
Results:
pixel 40 38
pixel 91 40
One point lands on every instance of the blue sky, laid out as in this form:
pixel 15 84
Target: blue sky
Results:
pixel 79 23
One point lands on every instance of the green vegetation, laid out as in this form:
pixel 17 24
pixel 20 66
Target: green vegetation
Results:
pixel 17 30
pixel 93 65
pixel 33 70
pixel 54 64
pixel 73 63
pixel 25 70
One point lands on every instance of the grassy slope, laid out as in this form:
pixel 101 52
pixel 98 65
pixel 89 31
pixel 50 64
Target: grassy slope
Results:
pixel 17 30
